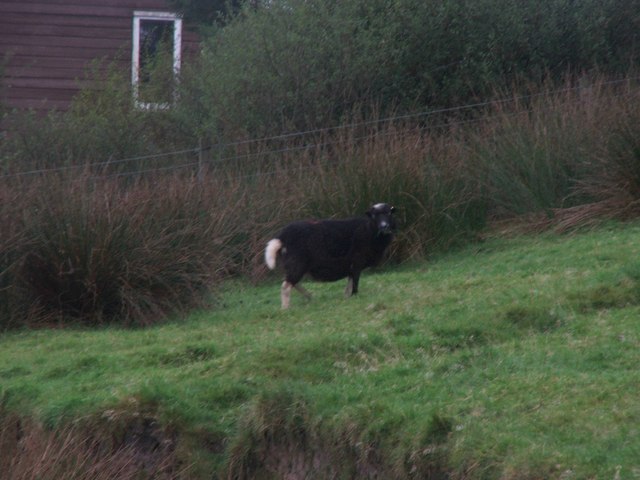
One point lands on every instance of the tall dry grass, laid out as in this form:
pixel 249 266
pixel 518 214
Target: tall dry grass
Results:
pixel 421 174
pixel 94 248
pixel 563 156
pixel 99 250
pixel 30 451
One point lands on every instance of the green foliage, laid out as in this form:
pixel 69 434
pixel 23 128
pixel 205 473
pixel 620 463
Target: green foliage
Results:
pixel 303 64
pixel 497 362
pixel 208 12
pixel 102 127
pixel 157 78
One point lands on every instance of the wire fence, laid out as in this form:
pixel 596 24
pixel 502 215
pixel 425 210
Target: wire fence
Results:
pixel 211 156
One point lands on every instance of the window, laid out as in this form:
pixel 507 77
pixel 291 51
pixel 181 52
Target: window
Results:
pixel 157 39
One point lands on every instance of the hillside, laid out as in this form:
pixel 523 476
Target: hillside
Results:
pixel 512 358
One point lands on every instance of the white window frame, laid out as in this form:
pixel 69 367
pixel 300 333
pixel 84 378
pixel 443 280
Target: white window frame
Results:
pixel 138 16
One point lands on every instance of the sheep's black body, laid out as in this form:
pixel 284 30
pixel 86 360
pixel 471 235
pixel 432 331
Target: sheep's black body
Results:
pixel 329 250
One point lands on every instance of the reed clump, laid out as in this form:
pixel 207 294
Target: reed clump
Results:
pixel 98 243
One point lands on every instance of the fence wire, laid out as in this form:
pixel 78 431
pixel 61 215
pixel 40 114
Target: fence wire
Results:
pixel 199 151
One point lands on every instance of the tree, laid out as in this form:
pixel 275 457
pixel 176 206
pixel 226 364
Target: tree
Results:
pixel 209 12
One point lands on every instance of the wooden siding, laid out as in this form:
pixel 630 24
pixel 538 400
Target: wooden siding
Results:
pixel 46 45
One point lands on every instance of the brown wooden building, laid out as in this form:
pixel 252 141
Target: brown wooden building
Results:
pixel 46 45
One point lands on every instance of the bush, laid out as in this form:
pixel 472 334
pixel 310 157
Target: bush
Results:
pixel 98 251
pixel 299 65
pixel 101 127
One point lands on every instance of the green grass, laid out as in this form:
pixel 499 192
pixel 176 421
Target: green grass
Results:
pixel 514 358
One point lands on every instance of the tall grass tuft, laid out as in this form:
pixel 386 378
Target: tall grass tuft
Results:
pixel 99 244
pixel 551 152
pixel 275 420
pixel 29 450
pixel 100 251
pixel 528 153
pixel 612 176
pixel 422 175
pixel 12 240
pixel 280 435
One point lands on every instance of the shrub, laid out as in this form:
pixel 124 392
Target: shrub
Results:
pixel 102 126
pixel 99 251
pixel 299 65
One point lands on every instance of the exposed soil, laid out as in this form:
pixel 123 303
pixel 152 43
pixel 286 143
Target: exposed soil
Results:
pixel 137 447
pixel 141 449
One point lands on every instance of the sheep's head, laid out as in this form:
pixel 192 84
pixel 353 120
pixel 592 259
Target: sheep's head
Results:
pixel 382 215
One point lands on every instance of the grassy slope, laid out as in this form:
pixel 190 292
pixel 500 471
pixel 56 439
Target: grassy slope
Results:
pixel 515 357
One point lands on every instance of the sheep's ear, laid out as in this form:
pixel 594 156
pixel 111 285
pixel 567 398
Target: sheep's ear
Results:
pixel 370 213
pixel 393 209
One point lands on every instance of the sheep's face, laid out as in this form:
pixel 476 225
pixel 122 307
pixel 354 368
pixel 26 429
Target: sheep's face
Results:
pixel 382 215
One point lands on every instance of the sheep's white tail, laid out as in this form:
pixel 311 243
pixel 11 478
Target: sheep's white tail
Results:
pixel 271 252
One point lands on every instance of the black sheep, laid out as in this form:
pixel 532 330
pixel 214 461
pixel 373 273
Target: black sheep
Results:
pixel 329 250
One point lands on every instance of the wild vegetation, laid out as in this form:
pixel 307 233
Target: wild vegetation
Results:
pixel 496 359
pixel 131 241
pixel 298 65
pixel 513 358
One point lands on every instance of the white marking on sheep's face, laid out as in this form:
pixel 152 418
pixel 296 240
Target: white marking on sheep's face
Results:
pixel 382 214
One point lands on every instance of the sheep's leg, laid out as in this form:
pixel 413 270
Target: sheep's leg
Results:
pixel 285 294
pixel 349 290
pixel 295 268
pixel 355 280
pixel 352 284
pixel 303 291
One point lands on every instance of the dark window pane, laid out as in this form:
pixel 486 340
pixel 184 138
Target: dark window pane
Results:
pixel 156 61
